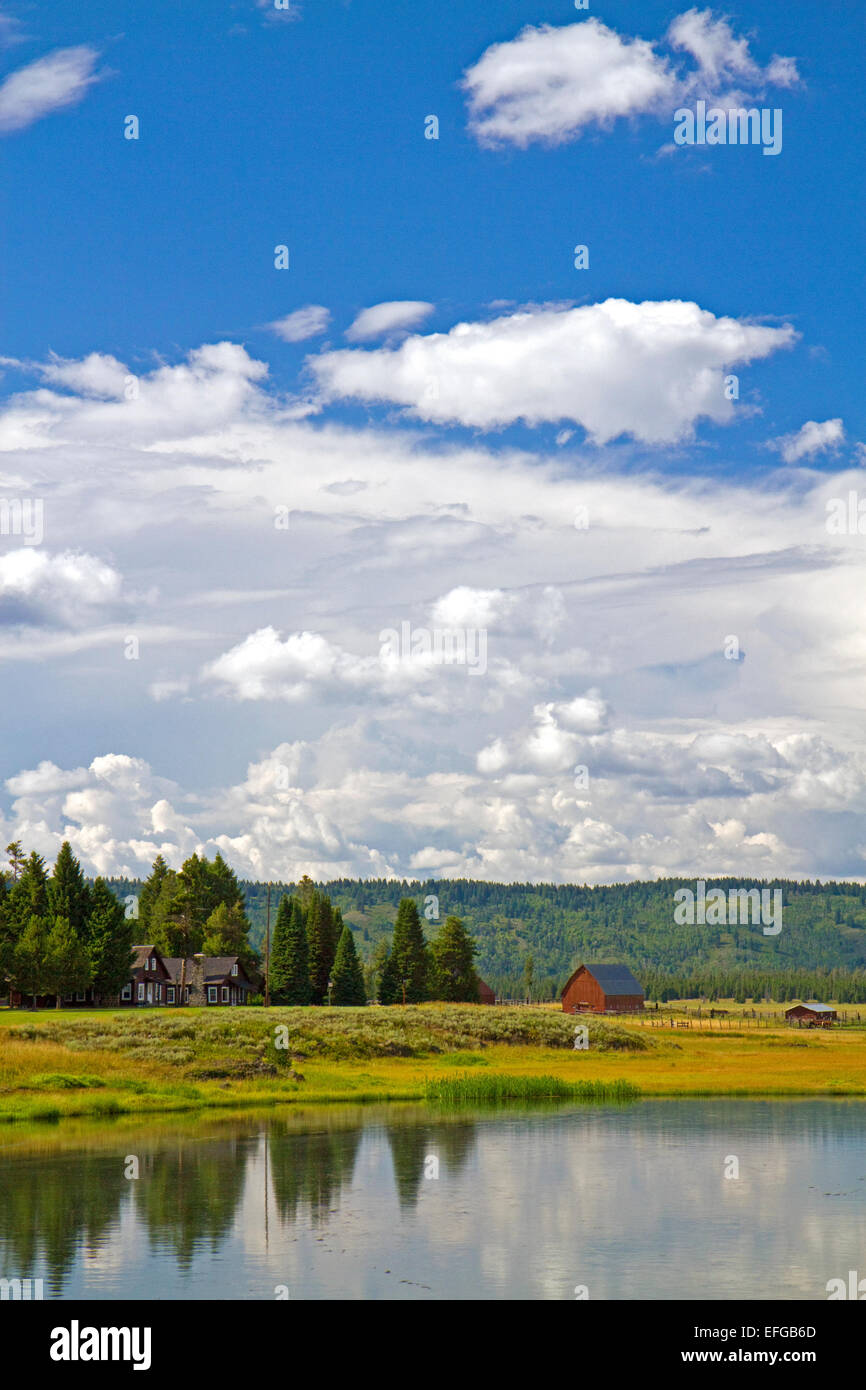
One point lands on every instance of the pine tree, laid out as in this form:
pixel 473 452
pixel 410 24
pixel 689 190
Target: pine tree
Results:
pixel 29 958
pixel 389 990
pixel 409 952
pixel 225 934
pixel 321 945
pixel 109 941
pixel 149 896
pixel 290 970
pixel 348 977
pixel 66 965
pixel 29 895
pixel 69 891
pixel 452 953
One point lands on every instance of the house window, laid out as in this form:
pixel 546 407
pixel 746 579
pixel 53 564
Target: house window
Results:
pixel 126 992
pixel 140 992
pixel 186 994
pixel 225 994
pixel 234 970
pixel 170 992
pixel 153 962
pixel 80 996
pixel 211 994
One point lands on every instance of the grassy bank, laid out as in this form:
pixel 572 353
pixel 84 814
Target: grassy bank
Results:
pixel 115 1063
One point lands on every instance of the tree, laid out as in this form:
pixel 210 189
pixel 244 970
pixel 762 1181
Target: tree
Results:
pixel 150 894
pixel 290 965
pixel 410 953
pixel 348 977
pixel 225 934
pixel 528 976
pixel 29 958
pixel 69 891
pixel 109 941
pixel 66 966
pixel 29 895
pixel 16 858
pixel 452 953
pixel 321 945
pixel 388 990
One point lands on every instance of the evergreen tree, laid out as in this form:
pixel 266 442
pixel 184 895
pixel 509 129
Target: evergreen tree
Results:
pixel 347 976
pixel 16 858
pixel 69 891
pixel 388 988
pixel 290 968
pixel 149 896
pixel 225 934
pixel 321 945
pixel 452 953
pixel 410 953
pixel 109 941
pixel 29 958
pixel 66 966
pixel 29 895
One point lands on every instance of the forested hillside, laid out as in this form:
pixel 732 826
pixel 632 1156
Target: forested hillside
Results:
pixel 531 937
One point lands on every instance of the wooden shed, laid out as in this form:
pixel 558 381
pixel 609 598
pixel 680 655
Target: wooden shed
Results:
pixel 602 989
pixel 811 1015
pixel 485 994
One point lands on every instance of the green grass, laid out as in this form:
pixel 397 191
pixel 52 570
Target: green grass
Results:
pixel 493 1089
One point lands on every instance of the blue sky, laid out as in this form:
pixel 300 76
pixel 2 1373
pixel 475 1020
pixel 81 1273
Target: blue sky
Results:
pixel 125 258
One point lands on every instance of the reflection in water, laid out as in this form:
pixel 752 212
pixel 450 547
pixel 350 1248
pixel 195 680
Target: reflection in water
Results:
pixel 631 1201
pixel 310 1169
pixel 187 1196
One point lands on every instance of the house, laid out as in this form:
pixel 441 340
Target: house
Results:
pixel 208 980
pixel 811 1015
pixel 602 989
pixel 148 979
pixel 485 994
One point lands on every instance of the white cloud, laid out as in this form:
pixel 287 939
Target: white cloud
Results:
pixel 308 322
pixel 548 84
pixel 65 590
pixel 382 320
pixel 651 370
pixel 810 439
pixel 58 80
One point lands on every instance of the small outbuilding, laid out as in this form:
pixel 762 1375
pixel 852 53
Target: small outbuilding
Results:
pixel 811 1015
pixel 485 994
pixel 602 989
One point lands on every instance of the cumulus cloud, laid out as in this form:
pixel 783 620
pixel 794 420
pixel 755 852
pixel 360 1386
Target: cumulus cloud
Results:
pixel 49 84
pixel 383 320
pixel 308 322
pixel 810 439
pixel 549 84
pixel 651 370
pixel 65 590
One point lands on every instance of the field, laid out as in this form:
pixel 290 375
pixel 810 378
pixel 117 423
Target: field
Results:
pixel 55 1064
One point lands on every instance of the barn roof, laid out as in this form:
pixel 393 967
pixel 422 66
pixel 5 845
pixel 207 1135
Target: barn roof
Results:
pixel 614 979
pixel 815 1008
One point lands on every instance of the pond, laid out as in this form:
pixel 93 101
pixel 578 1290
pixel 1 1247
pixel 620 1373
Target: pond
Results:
pixel 659 1199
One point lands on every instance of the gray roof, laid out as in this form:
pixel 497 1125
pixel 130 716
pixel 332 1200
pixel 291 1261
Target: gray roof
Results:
pixel 815 1008
pixel 214 968
pixel 615 979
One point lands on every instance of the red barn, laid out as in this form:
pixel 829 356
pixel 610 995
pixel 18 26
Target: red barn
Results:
pixel 485 994
pixel 602 989
pixel 812 1015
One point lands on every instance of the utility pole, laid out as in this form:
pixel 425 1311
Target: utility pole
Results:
pixel 268 954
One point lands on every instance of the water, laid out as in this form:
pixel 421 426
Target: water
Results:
pixel 629 1202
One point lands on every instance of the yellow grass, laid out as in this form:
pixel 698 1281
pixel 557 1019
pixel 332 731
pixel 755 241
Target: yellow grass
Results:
pixel 38 1077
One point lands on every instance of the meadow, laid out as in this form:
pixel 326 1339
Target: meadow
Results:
pixel 107 1062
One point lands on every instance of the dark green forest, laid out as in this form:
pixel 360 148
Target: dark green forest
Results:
pixel 531 936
